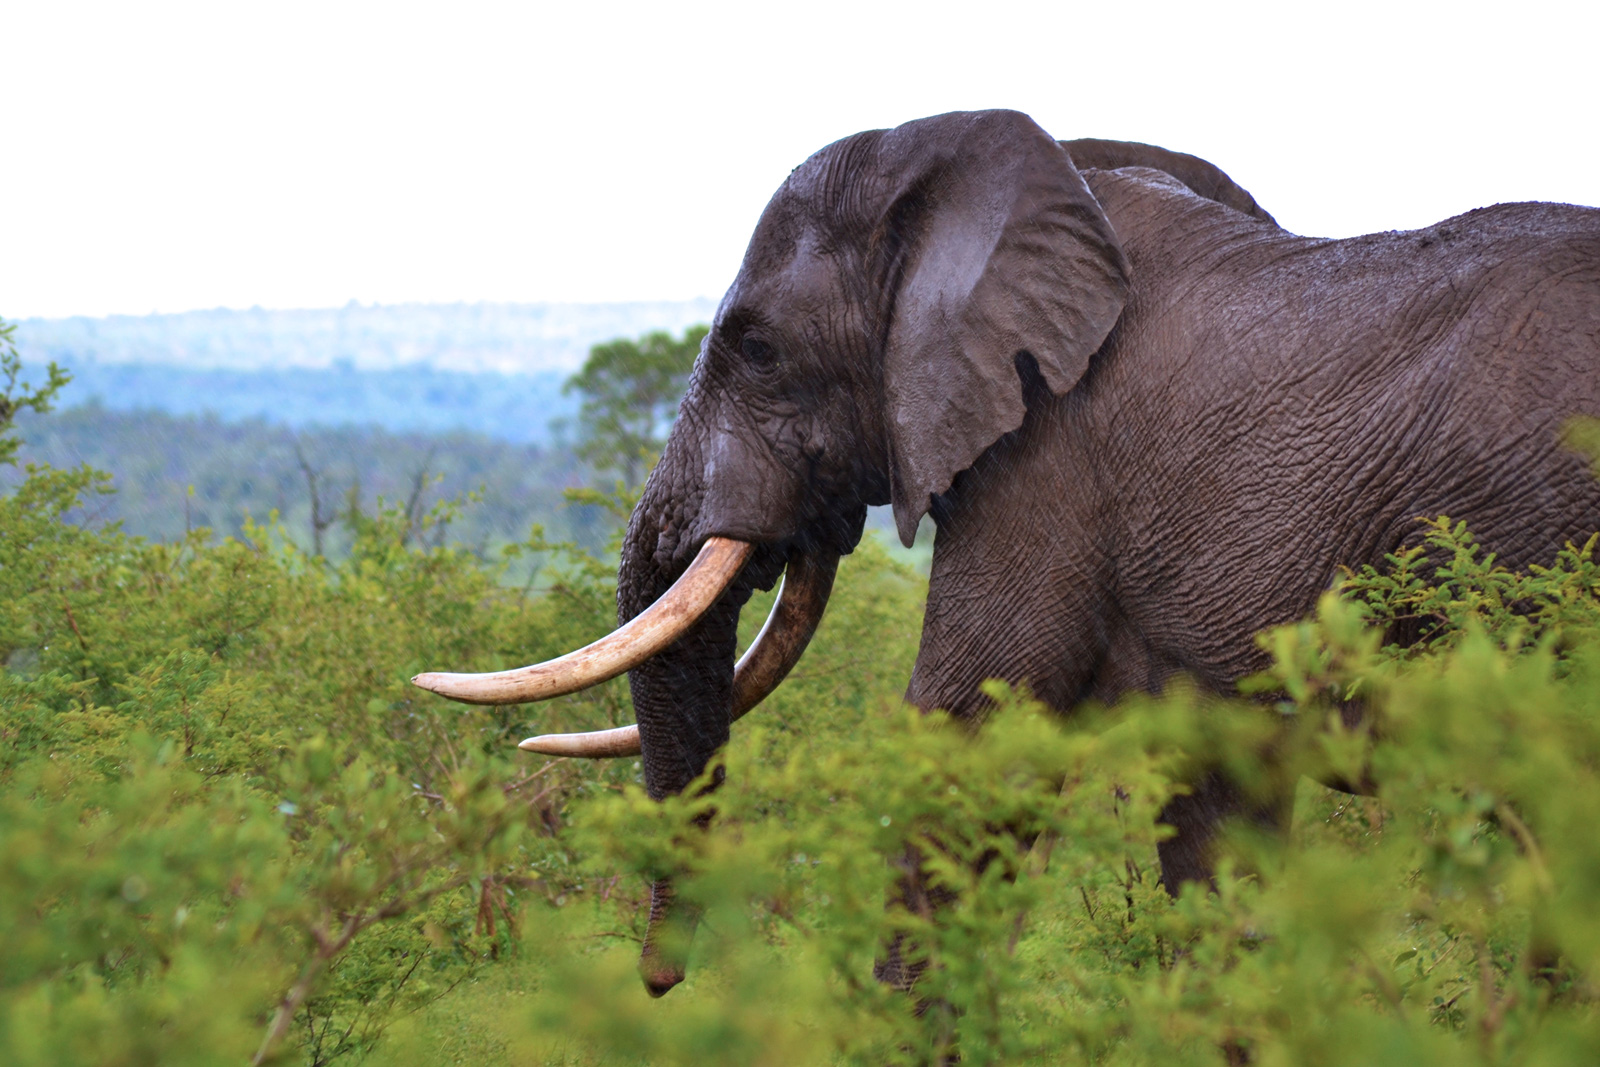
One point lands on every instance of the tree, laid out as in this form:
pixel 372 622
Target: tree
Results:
pixel 15 397
pixel 630 395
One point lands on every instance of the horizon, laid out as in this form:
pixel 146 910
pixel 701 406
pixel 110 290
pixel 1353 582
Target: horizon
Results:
pixel 360 305
pixel 499 337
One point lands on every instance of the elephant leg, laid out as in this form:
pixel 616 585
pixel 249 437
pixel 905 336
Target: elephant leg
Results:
pixel 993 611
pixel 902 962
pixel 1189 855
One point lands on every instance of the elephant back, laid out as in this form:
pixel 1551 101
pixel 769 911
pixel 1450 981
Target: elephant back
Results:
pixel 1202 178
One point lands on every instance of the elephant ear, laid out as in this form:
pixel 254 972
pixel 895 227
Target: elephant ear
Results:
pixel 991 246
pixel 1203 178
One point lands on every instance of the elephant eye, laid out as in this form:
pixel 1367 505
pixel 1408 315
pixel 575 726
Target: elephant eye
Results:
pixel 757 350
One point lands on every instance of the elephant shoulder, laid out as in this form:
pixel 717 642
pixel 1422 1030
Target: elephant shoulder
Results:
pixel 1197 175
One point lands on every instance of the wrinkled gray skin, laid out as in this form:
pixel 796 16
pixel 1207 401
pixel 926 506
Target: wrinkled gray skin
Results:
pixel 1147 421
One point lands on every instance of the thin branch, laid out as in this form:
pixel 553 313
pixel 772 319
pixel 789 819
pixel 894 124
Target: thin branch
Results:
pixel 1519 829
pixel 297 994
pixel 327 949
pixel 413 511
pixel 1495 1006
pixel 73 622
pixel 319 521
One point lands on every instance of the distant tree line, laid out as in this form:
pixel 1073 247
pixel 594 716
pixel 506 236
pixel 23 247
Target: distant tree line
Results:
pixel 479 337
pixel 414 399
pixel 173 473
pixel 208 465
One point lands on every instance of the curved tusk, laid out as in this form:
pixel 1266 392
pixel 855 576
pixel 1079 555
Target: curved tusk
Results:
pixel 807 584
pixel 769 659
pixel 717 564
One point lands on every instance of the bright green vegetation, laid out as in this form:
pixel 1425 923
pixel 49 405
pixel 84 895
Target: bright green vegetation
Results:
pixel 229 828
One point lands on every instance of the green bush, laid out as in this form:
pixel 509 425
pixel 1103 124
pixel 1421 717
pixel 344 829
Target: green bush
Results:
pixel 1447 919
pixel 229 828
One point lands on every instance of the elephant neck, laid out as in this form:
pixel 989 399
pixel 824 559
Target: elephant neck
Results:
pixel 1170 232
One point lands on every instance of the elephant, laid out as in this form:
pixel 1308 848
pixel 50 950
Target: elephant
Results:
pixel 1147 421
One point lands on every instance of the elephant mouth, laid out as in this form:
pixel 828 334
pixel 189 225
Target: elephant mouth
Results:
pixel 807 583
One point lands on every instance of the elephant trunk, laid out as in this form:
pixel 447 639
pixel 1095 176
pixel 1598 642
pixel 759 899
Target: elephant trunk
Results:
pixel 682 698
pixel 682 695
pixel 664 959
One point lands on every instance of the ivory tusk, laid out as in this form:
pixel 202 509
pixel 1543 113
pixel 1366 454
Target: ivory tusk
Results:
pixel 770 658
pixel 717 564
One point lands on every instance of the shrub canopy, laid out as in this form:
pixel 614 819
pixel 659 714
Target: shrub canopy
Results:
pixel 229 829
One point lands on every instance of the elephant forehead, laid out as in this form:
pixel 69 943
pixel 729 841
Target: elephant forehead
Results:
pixel 802 277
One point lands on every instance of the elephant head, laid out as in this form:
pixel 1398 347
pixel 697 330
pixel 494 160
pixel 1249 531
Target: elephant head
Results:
pixel 897 290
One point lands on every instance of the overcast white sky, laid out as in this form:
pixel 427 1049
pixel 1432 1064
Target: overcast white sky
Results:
pixel 161 157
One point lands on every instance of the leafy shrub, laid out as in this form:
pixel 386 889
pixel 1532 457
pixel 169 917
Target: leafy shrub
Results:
pixel 1445 919
pixel 230 829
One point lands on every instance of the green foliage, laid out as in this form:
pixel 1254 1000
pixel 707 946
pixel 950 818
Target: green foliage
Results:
pixel 220 794
pixel 1446 918
pixel 15 397
pixel 630 393
pixel 230 829
pixel 230 826
pixel 1433 595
